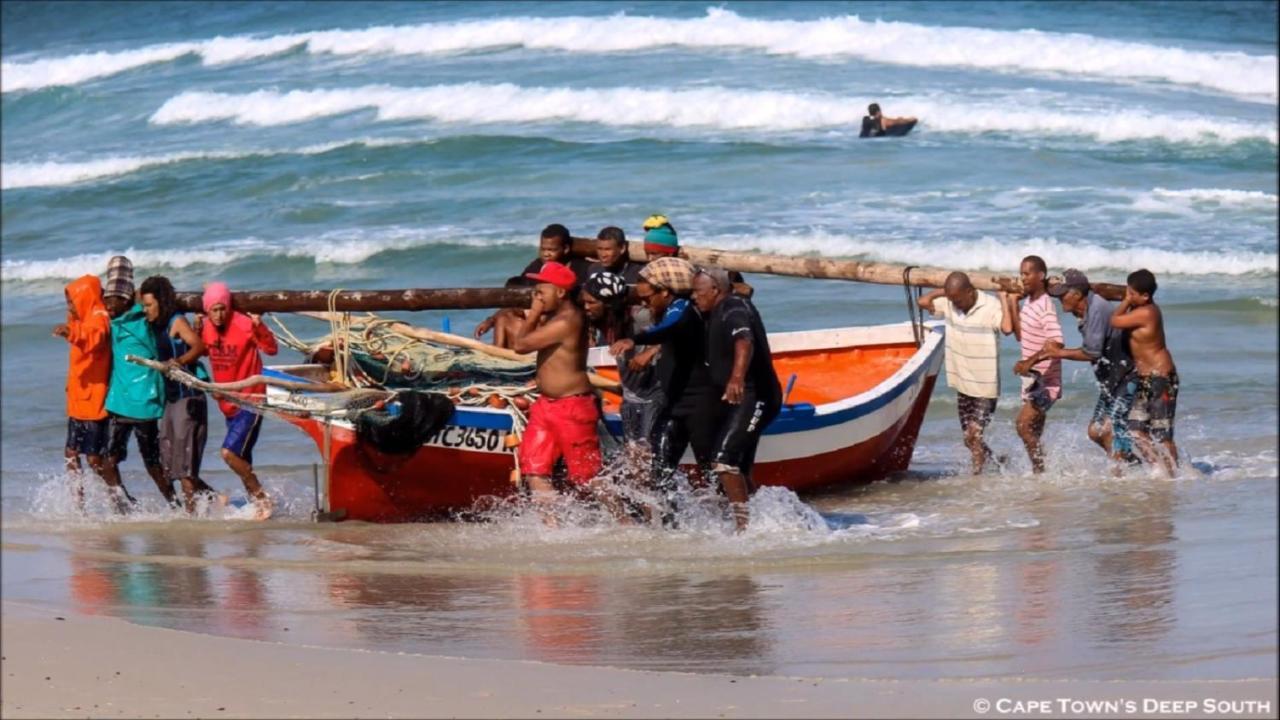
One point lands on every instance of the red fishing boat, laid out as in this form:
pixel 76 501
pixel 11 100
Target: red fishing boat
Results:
pixel 855 399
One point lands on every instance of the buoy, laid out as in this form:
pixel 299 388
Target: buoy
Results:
pixel 522 402
pixel 497 401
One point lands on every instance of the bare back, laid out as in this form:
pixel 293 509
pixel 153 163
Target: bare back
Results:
pixel 1150 354
pixel 562 366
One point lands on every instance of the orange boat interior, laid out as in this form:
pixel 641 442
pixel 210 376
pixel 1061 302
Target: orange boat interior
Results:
pixel 824 375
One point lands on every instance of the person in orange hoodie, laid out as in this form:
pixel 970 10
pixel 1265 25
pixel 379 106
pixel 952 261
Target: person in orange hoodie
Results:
pixel 88 332
pixel 232 340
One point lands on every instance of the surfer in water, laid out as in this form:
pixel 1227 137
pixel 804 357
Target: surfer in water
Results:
pixel 875 124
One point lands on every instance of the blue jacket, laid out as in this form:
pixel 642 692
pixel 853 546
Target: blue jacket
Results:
pixel 136 392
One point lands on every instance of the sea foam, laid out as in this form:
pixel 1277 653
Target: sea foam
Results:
pixel 714 108
pixel 354 246
pixel 15 175
pixel 1250 77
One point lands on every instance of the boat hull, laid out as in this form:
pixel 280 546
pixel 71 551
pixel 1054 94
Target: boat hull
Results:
pixel 808 447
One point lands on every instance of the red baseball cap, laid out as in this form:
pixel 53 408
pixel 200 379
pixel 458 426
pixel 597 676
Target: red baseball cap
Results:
pixel 555 273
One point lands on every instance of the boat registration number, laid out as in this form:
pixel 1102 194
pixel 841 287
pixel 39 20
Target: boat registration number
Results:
pixel 468 438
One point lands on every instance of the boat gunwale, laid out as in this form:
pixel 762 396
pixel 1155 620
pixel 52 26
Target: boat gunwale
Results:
pixel 823 415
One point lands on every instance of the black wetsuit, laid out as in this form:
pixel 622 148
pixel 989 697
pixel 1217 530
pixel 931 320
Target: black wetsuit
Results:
pixel 871 127
pixel 691 414
pixel 740 426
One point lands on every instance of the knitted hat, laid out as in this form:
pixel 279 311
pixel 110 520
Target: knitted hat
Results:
pixel 673 273
pixel 661 240
pixel 655 220
pixel 216 293
pixel 119 278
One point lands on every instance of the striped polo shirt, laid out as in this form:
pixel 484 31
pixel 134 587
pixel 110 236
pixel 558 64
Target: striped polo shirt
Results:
pixel 972 345
pixel 1038 322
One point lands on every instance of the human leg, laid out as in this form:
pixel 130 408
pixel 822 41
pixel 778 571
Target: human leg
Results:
pixel 975 414
pixel 538 453
pixel 237 452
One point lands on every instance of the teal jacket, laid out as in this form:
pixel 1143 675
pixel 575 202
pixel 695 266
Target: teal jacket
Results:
pixel 136 392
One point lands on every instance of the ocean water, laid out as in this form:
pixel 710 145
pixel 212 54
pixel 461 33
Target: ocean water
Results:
pixel 289 145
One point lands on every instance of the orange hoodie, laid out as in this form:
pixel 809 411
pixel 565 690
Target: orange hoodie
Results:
pixel 90 338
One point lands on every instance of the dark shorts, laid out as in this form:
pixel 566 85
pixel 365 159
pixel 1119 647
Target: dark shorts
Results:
pixel 740 432
pixel 693 422
pixel 88 437
pixel 1115 406
pixel 242 434
pixel 639 418
pixel 184 429
pixel 1155 402
pixel 148 432
pixel 975 410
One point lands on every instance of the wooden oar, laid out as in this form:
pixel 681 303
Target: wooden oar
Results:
pixel 260 301
pixel 823 268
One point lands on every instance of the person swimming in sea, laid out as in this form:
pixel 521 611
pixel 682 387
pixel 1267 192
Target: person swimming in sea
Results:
pixel 875 124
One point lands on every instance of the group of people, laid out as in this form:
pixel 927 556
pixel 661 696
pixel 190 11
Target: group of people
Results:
pixel 1133 418
pixel 693 359
pixel 110 398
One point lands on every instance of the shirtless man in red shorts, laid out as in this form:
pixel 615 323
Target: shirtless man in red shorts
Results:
pixel 562 423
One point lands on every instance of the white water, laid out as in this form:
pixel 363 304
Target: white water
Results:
pixel 899 43
pixel 715 108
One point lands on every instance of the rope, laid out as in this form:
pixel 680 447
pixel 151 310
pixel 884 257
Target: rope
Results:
pixel 913 308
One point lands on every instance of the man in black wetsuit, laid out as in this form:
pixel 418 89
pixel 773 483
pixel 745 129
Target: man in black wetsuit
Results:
pixel 874 124
pixel 688 415
pixel 741 369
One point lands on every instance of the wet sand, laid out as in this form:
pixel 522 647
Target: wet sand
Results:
pixel 69 665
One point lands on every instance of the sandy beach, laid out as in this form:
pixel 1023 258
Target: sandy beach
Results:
pixel 58 664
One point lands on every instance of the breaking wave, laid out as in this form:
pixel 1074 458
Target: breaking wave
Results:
pixel 1002 254
pixel 56 174
pixel 715 108
pixel 350 247
pixel 339 247
pixel 899 43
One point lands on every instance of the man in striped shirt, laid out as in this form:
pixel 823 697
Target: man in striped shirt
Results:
pixel 973 320
pixel 1034 325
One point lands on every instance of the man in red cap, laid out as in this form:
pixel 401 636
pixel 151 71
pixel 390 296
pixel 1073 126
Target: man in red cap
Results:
pixel 562 423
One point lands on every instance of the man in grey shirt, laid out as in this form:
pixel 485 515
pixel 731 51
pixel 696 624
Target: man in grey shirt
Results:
pixel 1107 349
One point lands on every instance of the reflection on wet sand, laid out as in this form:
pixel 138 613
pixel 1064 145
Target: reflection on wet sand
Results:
pixel 1133 590
pixel 1074 594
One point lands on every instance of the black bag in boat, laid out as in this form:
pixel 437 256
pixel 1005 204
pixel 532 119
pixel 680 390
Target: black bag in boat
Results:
pixel 421 415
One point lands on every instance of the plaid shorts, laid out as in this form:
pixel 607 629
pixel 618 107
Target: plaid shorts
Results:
pixel 1155 402
pixel 1115 407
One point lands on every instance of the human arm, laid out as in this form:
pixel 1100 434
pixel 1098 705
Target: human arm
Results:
pixel 191 338
pixel 1126 316
pixel 263 336
pixel 1011 322
pixel 660 333
pixel 926 301
pixel 641 360
pixel 733 390
pixel 485 326
pixel 532 338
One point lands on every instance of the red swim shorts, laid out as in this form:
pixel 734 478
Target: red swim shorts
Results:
pixel 562 427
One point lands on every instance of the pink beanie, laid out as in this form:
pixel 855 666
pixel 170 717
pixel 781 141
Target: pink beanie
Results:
pixel 216 293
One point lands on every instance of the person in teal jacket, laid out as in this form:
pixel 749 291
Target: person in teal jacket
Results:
pixel 135 399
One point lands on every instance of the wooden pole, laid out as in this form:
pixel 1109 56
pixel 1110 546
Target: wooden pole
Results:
pixel 260 301
pixel 827 269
